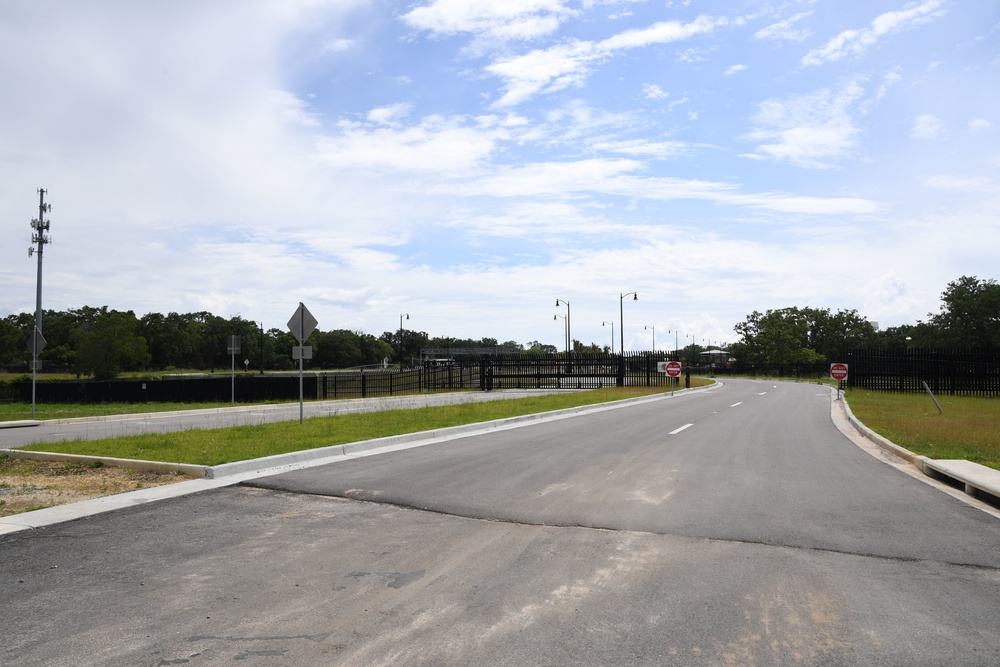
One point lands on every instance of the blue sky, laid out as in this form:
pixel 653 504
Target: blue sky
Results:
pixel 468 162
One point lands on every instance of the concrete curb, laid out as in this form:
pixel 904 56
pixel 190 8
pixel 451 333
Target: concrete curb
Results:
pixel 978 481
pixel 884 443
pixel 22 423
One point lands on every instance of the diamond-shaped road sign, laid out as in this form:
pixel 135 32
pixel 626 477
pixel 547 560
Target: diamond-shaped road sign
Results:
pixel 37 342
pixel 302 324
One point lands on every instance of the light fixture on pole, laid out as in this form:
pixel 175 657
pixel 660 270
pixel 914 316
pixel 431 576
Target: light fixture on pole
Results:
pixel 653 327
pixel 401 316
pixel 565 326
pixel 621 316
pixel 676 357
pixel 569 330
pixel 612 334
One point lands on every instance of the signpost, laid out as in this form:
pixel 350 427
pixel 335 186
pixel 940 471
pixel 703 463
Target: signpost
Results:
pixel 302 325
pixel 838 372
pixel 672 369
pixel 233 347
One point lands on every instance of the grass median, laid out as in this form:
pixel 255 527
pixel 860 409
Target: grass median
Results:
pixel 240 443
pixel 968 428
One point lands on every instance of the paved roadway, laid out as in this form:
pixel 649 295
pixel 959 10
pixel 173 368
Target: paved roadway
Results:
pixel 731 527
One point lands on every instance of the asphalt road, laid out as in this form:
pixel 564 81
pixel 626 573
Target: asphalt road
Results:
pixel 731 527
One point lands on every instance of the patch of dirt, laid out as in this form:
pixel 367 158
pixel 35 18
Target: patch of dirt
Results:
pixel 31 485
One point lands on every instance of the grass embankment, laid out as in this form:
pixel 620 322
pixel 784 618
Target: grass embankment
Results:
pixel 217 446
pixel 969 428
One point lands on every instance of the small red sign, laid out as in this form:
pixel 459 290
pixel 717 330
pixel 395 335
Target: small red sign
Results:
pixel 673 368
pixel 838 371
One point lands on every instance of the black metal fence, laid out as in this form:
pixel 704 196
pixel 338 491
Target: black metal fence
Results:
pixel 483 373
pixel 213 389
pixel 963 372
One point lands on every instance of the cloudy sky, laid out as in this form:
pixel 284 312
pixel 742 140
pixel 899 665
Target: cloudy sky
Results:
pixel 468 162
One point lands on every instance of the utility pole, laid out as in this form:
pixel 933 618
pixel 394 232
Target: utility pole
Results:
pixel 39 237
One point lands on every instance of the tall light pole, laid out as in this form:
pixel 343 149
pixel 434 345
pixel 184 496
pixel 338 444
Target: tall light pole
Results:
pixel 569 330
pixel 39 237
pixel 612 334
pixel 676 355
pixel 565 327
pixel 621 316
pixel 401 316
pixel 653 327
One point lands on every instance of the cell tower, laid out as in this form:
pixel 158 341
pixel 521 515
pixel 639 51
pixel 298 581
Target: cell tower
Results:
pixel 40 238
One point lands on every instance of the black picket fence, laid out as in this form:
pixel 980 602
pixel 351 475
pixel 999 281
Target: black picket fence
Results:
pixel 960 372
pixel 217 389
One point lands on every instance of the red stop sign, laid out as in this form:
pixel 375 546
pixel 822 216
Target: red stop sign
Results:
pixel 673 368
pixel 838 371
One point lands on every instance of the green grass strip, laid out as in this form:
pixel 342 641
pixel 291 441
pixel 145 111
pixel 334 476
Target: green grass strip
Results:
pixel 240 443
pixel 969 428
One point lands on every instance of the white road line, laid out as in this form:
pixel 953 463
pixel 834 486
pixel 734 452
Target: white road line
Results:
pixel 735 404
pixel 678 430
pixel 762 393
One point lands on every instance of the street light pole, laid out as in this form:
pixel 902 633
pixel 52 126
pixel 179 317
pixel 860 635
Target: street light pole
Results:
pixel 612 334
pixel 653 327
pixel 401 316
pixel 569 330
pixel 621 316
pixel 565 327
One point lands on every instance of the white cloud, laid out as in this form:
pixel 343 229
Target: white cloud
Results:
pixel 389 115
pixel 293 109
pixel 811 130
pixel 927 126
pixel 340 45
pixel 436 145
pixel 543 71
pixel 785 30
pixel 855 42
pixel 569 64
pixel 979 124
pixel 661 150
pixel 971 184
pixel 660 33
pixel 654 92
pixel 735 68
pixel 490 20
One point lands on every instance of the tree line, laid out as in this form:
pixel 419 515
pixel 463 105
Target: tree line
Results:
pixel 103 343
pixel 802 337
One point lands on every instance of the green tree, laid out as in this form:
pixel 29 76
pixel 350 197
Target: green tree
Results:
pixel 109 345
pixel 534 347
pixel 10 342
pixel 970 314
pixel 791 337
